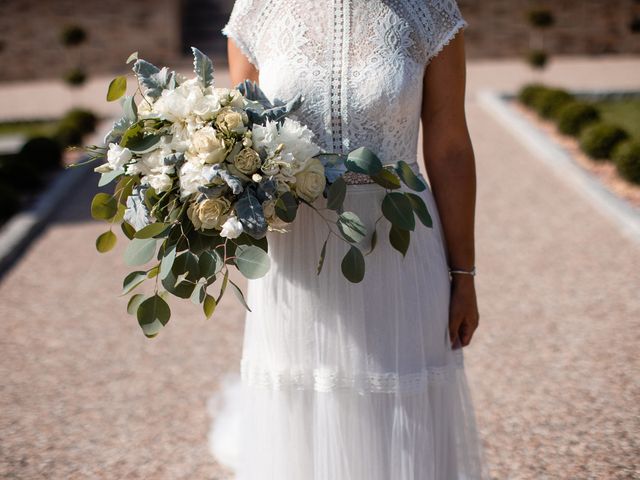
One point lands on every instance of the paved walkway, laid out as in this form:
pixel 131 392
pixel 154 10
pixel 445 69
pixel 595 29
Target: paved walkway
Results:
pixel 553 368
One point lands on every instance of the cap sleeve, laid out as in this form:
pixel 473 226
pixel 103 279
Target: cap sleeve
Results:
pixel 444 21
pixel 241 27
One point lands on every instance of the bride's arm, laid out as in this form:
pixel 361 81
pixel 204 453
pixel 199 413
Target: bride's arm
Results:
pixel 240 67
pixel 450 165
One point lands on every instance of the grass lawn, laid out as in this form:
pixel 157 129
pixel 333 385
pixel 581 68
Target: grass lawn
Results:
pixel 624 113
pixel 28 129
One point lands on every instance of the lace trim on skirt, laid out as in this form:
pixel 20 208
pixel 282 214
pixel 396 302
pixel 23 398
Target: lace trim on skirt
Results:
pixel 328 380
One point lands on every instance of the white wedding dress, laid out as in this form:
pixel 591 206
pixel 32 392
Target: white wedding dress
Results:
pixel 343 381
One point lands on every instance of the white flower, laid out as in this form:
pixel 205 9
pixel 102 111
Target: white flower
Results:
pixel 207 147
pixel 232 228
pixel 178 104
pixel 310 182
pixel 118 157
pixel 191 177
pixel 265 136
pixel 297 140
pixel 160 182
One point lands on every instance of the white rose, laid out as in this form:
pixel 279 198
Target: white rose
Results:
pixel 310 182
pixel 231 120
pixel 269 209
pixel 232 228
pixel 207 146
pixel 118 157
pixel 209 213
pixel 191 177
pixel 160 182
pixel 247 161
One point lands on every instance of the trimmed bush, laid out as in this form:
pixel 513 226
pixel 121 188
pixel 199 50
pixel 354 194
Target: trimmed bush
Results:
pixel 529 93
pixel 549 102
pixel 9 201
pixel 574 116
pixel 599 140
pixel 83 120
pixel 72 36
pixel 42 153
pixel 537 58
pixel 540 18
pixel 75 77
pixel 626 157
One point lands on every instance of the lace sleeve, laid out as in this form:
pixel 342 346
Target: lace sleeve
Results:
pixel 241 28
pixel 443 21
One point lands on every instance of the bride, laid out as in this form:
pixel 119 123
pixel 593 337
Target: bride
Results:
pixel 361 381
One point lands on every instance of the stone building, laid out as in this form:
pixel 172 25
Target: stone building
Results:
pixel 162 30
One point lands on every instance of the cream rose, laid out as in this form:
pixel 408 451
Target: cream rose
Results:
pixel 231 120
pixel 210 213
pixel 310 182
pixel 269 209
pixel 207 146
pixel 247 161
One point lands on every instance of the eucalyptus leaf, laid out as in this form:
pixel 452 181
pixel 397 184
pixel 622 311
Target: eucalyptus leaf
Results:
pixel 103 206
pixel 152 230
pixel 386 179
pixel 251 215
pixel 117 88
pixel 130 109
pixel 420 209
pixel 252 261
pixel 153 272
pixel 134 302
pixel 209 263
pixel 209 305
pixel 337 193
pixel 198 294
pixel 106 241
pixel 351 227
pixel 374 240
pixel 140 251
pixel 223 286
pixel 128 230
pixel 399 239
pixel 353 265
pixel 132 57
pixel 408 176
pixel 238 293
pixel 153 314
pixel 397 209
pixel 286 207
pixel 186 263
pixel 132 280
pixel 167 261
pixel 175 285
pixel 203 67
pixel 143 144
pixel 363 160
pixel 323 253
pixel 108 177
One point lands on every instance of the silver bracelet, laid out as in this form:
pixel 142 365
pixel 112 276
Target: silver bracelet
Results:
pixel 471 272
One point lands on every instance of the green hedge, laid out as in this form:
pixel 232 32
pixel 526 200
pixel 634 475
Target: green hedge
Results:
pixel 529 93
pixel 599 140
pixel 574 116
pixel 626 157
pixel 549 102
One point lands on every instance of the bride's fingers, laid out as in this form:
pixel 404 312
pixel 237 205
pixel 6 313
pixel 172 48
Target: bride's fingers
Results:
pixel 455 321
pixel 467 329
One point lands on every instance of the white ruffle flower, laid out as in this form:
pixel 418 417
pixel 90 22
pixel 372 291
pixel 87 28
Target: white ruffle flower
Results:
pixel 232 228
pixel 118 157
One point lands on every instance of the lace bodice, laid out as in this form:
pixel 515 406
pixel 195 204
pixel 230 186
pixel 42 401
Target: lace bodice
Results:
pixel 359 64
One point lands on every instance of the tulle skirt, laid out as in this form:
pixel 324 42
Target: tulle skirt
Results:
pixel 343 381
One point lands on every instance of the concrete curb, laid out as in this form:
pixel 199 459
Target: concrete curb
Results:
pixel 25 226
pixel 622 213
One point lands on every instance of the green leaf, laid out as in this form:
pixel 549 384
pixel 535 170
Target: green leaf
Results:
pixel 397 209
pixel 252 261
pixel 223 287
pixel 132 57
pixel 186 263
pixel 143 144
pixel 399 239
pixel 209 263
pixel 132 280
pixel 153 272
pixel 130 109
pixel 140 251
pixel 337 193
pixel 238 293
pixel 387 179
pixel 108 177
pixel 351 227
pixel 134 303
pixel 151 230
pixel 203 67
pixel 117 88
pixel 363 160
pixel 420 209
pixel 408 176
pixel 128 230
pixel 167 261
pixel 353 265
pixel 106 241
pixel 175 285
pixel 198 294
pixel 323 253
pixel 119 216
pixel 153 314
pixel 209 305
pixel 103 206
pixel 286 207
pixel 374 240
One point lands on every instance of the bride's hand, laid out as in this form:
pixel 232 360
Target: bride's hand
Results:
pixel 463 311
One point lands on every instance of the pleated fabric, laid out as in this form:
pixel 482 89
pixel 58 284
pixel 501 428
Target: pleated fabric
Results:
pixel 343 381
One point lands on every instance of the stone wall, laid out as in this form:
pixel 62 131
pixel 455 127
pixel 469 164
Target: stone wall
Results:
pixel 30 31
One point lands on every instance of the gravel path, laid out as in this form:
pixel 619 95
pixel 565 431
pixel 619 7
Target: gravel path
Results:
pixel 553 368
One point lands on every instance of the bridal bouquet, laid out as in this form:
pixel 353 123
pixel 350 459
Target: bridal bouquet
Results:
pixel 201 175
